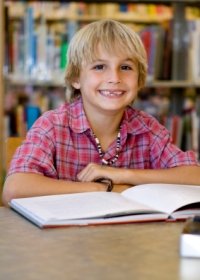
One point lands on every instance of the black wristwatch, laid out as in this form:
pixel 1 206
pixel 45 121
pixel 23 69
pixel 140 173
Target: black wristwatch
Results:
pixel 106 181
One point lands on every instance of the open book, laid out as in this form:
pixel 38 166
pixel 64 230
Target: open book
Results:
pixel 149 202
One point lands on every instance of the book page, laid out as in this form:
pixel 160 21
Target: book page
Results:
pixel 164 197
pixel 78 206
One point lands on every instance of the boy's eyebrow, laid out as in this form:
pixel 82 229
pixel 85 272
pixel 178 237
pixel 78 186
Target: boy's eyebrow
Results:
pixel 104 60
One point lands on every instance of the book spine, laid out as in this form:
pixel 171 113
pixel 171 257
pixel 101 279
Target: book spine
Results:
pixel 72 27
pixel 123 8
pixel 146 39
pixel 42 70
pixel 31 114
pixel 16 46
pixel 180 45
pixel 18 49
pixel 195 50
pixel 50 53
pixel 63 52
pixel 166 72
pixel 195 132
pixel 109 9
pixel 8 43
pixel 20 121
pixel 29 40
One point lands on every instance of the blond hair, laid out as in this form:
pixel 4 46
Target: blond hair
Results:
pixel 113 36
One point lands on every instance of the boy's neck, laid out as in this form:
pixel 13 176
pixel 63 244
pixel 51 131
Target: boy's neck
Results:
pixel 105 128
pixel 105 124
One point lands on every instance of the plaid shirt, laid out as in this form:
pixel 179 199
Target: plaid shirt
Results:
pixel 60 144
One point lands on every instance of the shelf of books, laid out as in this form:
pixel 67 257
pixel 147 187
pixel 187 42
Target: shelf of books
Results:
pixel 35 58
pixel 39 33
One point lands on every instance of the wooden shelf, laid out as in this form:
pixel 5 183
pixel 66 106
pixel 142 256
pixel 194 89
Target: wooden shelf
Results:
pixel 59 82
pixel 166 2
pixel 174 84
pixel 19 81
pixel 123 18
pixel 67 15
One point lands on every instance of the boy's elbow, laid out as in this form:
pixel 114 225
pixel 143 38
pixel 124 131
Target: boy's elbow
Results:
pixel 8 191
pixel 5 198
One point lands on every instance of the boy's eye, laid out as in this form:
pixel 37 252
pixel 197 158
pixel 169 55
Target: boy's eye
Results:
pixel 126 67
pixel 99 67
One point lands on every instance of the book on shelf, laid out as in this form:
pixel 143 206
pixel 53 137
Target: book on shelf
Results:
pixel 165 72
pixel 175 126
pixel 195 132
pixel 194 51
pixel 20 121
pixel 29 39
pixel 142 203
pixel 32 113
pixel 180 48
pixel 108 9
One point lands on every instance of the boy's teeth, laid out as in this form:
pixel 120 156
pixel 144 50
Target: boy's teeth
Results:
pixel 107 92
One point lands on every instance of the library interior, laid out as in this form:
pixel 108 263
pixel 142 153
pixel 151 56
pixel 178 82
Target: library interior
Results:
pixel 34 42
pixel 34 39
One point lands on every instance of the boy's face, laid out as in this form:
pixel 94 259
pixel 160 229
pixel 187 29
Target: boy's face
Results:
pixel 108 84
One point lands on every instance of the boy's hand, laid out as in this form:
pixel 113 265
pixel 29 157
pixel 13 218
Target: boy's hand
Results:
pixel 94 171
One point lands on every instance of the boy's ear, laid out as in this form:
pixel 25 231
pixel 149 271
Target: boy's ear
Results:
pixel 76 84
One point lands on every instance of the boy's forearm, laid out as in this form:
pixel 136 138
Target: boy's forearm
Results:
pixel 28 184
pixel 177 175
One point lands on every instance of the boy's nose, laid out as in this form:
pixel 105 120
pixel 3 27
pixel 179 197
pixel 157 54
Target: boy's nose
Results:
pixel 114 77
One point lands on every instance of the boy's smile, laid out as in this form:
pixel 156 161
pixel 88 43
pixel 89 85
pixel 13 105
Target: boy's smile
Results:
pixel 111 93
pixel 109 83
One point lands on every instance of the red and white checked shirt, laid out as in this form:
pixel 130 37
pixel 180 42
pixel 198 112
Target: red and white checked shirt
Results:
pixel 60 144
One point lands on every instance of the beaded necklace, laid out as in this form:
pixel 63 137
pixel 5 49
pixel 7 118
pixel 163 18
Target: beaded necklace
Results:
pixel 115 158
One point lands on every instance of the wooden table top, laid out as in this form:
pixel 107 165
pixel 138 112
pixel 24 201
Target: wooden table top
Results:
pixel 132 251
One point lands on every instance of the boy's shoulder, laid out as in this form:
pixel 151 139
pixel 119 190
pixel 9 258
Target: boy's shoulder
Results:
pixel 141 121
pixel 137 114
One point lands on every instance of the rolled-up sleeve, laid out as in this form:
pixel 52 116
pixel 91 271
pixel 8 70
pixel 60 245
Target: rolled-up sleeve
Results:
pixel 36 154
pixel 164 154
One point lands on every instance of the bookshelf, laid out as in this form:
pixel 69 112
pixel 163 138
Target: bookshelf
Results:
pixel 177 85
pixel 135 17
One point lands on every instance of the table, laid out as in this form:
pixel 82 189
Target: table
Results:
pixel 131 251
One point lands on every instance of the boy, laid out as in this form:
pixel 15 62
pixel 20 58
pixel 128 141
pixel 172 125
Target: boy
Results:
pixel 98 135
